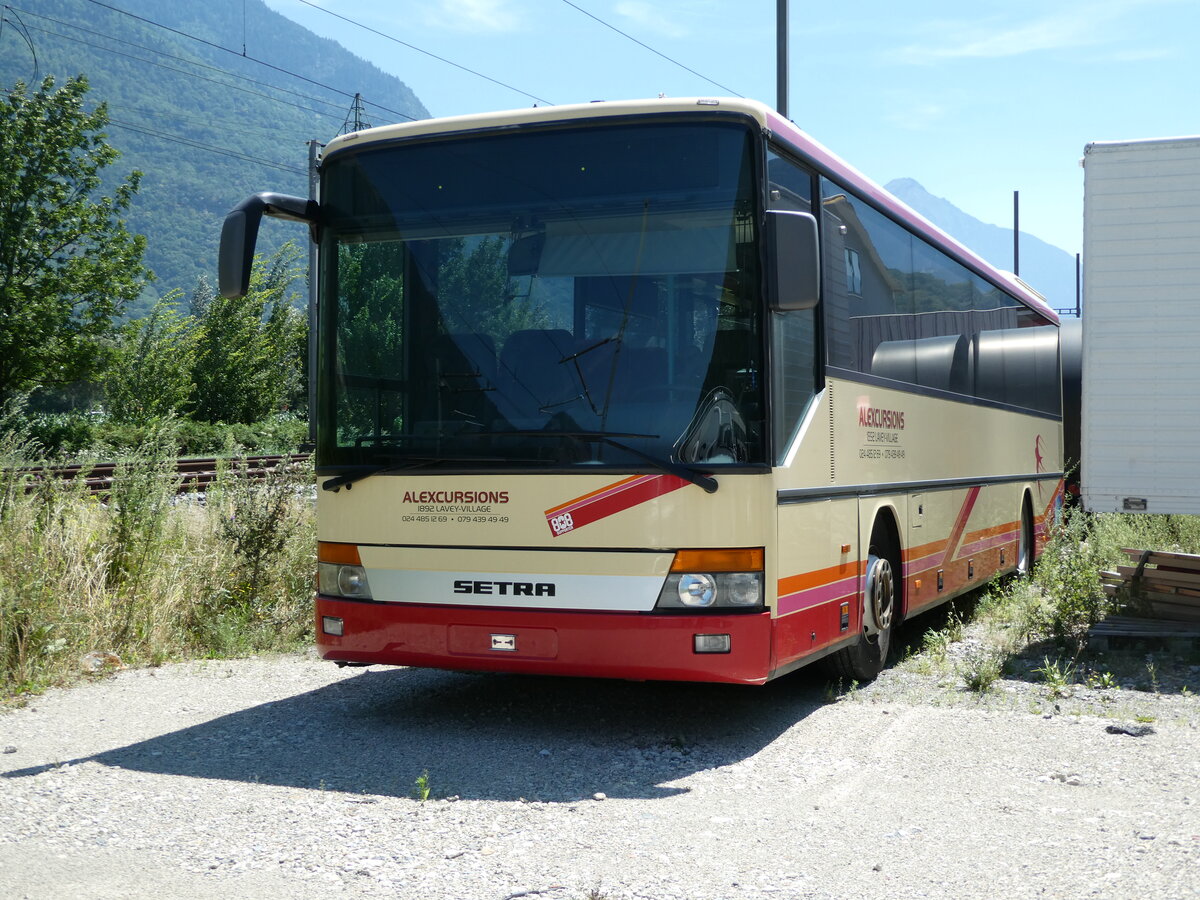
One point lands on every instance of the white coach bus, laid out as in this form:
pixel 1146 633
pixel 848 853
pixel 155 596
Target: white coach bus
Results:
pixel 653 390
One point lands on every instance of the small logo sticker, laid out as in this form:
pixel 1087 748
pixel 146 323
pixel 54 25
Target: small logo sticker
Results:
pixel 562 524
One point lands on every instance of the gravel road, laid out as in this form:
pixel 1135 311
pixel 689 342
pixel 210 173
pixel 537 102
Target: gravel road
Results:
pixel 288 777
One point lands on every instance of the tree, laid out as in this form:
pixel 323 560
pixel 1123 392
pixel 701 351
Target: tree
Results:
pixel 150 374
pixel 251 350
pixel 67 263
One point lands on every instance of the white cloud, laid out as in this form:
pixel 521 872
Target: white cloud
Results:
pixel 990 40
pixel 473 15
pixel 1079 25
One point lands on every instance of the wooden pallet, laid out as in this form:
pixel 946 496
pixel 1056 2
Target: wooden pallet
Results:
pixel 1162 591
pixel 1118 631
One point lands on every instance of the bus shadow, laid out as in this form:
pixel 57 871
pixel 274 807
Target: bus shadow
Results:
pixel 481 737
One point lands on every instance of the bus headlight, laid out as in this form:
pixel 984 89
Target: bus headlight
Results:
pixel 712 590
pixel 744 589
pixel 339 580
pixel 696 590
pixel 725 579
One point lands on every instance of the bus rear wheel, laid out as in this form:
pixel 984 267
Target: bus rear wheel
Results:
pixel 881 597
pixel 1025 546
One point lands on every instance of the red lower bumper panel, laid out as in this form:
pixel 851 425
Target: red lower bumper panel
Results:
pixel 595 645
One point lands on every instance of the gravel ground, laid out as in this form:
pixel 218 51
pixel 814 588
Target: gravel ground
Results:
pixel 288 777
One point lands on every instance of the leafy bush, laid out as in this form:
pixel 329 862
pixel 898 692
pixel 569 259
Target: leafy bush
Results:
pixel 62 433
pixel 1068 574
pixel 150 373
pixel 77 434
pixel 250 351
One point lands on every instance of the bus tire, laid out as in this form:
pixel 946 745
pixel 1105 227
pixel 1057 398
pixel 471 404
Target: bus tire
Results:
pixel 1025 549
pixel 867 657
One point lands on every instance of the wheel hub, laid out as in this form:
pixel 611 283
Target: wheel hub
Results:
pixel 880 605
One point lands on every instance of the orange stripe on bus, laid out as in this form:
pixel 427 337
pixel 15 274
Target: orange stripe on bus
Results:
pixel 990 532
pixel 924 550
pixel 808 580
pixel 602 490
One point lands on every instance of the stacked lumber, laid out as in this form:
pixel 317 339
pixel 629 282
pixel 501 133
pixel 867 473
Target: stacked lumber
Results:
pixel 1161 585
pixel 1162 591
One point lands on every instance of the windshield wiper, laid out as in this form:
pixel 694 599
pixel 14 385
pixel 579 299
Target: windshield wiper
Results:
pixel 687 473
pixel 346 479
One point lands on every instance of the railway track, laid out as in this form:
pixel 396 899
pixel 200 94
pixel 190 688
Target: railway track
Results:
pixel 194 474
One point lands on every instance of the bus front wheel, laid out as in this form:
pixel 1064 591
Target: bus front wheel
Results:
pixel 880 598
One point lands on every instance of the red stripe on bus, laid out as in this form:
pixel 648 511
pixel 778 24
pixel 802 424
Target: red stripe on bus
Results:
pixel 608 501
pixel 960 524
pixel 608 488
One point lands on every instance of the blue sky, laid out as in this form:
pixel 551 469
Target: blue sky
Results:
pixel 972 100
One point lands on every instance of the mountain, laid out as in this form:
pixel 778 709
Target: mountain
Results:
pixel 1048 269
pixel 202 103
pixel 192 107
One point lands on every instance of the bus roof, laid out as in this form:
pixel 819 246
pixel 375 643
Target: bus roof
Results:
pixel 780 128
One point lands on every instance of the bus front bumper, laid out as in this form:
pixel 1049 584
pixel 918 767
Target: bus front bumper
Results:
pixel 640 647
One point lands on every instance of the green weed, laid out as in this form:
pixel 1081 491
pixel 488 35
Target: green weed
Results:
pixel 1104 681
pixel 421 787
pixel 982 668
pixel 1057 676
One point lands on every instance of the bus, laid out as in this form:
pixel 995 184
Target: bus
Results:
pixel 653 390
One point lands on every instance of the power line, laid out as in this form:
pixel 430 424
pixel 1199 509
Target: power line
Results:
pixel 150 62
pixel 182 59
pixel 188 142
pixel 397 40
pixel 253 59
pixel 208 122
pixel 646 46
pixel 24 33
pixel 198 145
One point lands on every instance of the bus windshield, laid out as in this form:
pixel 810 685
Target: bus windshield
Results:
pixel 543 298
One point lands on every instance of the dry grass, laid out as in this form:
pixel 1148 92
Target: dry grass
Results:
pixel 145 575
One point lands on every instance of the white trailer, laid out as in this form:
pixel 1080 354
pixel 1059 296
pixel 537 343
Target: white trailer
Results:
pixel 1141 326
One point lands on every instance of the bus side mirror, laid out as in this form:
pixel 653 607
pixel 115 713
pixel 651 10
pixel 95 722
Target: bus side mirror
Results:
pixel 793 260
pixel 239 235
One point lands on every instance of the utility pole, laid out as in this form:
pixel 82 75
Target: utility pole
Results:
pixel 354 118
pixel 1016 233
pixel 781 57
pixel 314 150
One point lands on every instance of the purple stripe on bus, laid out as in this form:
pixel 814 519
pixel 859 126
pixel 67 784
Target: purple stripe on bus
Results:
pixel 924 564
pixel 838 590
pixel 988 543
